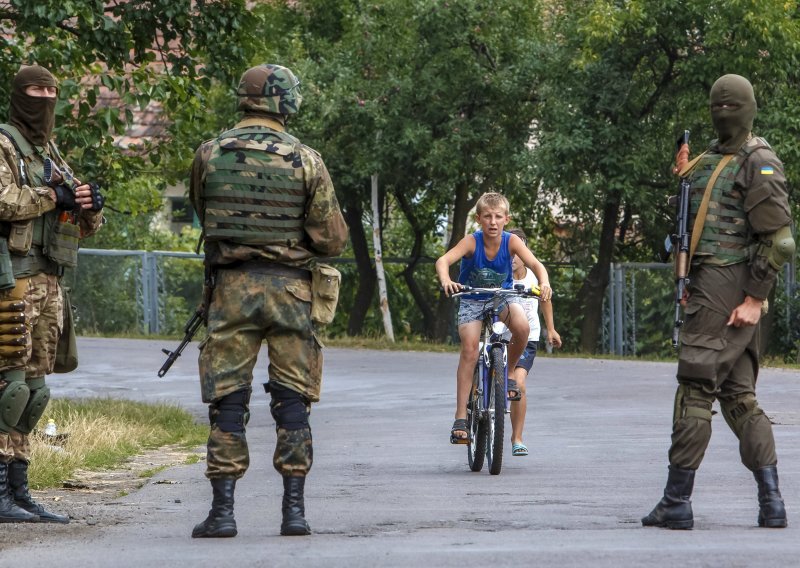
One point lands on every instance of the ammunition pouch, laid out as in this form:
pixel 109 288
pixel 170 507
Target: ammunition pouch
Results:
pixel 20 237
pixel 62 247
pixel 325 282
pixel 66 359
pixel 13 332
pixel 14 395
pixel 6 270
pixel 37 403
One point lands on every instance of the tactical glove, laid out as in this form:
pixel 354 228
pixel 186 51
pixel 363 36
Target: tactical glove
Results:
pixel 97 198
pixel 65 198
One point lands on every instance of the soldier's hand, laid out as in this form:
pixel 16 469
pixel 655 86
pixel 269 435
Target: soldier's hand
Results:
pixel 747 313
pixel 88 196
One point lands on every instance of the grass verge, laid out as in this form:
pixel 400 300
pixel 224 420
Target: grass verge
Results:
pixel 102 433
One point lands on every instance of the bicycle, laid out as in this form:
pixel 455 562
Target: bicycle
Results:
pixel 488 401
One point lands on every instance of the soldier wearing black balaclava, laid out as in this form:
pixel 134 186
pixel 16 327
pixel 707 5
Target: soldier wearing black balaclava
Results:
pixel 41 224
pixel 746 238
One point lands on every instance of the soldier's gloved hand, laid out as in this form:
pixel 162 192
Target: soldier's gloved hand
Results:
pixel 97 198
pixel 65 198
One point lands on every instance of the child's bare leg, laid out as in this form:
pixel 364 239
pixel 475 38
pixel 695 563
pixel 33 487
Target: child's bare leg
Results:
pixel 514 318
pixel 470 336
pixel 519 407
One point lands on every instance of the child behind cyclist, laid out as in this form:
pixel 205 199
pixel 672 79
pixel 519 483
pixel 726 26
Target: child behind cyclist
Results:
pixel 486 257
pixel 524 276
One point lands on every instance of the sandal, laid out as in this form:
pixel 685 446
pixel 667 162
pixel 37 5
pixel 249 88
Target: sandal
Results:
pixel 514 388
pixel 519 449
pixel 459 425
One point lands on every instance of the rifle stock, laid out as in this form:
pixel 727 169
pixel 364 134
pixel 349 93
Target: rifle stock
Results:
pixel 190 329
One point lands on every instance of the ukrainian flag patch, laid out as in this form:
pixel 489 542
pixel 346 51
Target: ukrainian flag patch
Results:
pixel 767 170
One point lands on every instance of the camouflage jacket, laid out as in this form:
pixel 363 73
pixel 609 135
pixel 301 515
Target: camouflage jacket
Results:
pixel 762 184
pixel 325 231
pixel 20 202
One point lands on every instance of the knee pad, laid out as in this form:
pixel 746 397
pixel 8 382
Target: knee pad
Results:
pixel 231 412
pixel 40 396
pixel 14 395
pixel 692 402
pixel 289 408
pixel 738 411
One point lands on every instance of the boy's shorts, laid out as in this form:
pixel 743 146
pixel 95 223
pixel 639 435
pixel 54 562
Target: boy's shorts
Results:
pixel 475 310
pixel 527 357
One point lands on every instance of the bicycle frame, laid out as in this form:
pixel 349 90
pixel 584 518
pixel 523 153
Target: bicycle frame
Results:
pixel 493 338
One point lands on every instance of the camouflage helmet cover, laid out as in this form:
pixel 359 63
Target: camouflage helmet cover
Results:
pixel 269 88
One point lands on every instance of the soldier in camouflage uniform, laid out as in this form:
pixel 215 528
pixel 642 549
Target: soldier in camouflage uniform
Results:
pixel 40 227
pixel 745 241
pixel 268 209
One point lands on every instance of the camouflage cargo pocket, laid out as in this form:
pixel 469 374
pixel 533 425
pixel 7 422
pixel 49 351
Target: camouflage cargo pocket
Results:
pixel 325 281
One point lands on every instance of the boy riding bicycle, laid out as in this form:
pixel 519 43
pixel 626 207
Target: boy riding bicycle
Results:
pixel 486 259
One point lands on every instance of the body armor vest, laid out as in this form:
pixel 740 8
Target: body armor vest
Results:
pixel 726 237
pixel 254 191
pixel 31 173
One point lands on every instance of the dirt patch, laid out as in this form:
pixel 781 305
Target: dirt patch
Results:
pixel 89 497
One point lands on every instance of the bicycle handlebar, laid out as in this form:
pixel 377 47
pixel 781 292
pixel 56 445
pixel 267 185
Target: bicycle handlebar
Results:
pixel 534 292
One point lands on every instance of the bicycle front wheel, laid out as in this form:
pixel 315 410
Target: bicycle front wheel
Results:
pixel 497 412
pixel 476 449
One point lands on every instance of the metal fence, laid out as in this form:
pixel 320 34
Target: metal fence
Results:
pixel 155 292
pixel 639 309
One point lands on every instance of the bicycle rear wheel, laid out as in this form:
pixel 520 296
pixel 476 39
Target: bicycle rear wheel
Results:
pixel 476 449
pixel 497 413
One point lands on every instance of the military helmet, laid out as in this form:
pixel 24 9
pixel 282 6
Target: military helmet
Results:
pixel 269 88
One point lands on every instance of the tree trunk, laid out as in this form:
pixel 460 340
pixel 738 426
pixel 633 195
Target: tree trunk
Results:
pixel 444 309
pixel 353 215
pixel 589 306
pixel 421 301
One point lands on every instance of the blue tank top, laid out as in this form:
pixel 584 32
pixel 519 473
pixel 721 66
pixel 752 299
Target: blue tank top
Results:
pixel 480 272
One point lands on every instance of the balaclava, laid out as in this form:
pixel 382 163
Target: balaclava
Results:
pixel 733 125
pixel 34 117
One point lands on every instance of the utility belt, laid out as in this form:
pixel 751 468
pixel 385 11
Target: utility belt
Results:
pixel 259 266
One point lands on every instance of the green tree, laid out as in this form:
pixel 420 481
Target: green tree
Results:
pixel 621 80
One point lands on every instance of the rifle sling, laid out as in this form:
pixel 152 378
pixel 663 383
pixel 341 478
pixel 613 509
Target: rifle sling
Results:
pixel 702 211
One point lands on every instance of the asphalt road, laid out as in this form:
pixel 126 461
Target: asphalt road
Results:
pixel 387 489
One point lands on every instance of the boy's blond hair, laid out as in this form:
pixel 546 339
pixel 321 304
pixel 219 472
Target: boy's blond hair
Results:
pixel 492 200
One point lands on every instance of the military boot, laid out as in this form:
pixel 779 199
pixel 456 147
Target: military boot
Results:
pixel 293 509
pixel 9 511
pixel 220 521
pixel 771 511
pixel 674 511
pixel 18 486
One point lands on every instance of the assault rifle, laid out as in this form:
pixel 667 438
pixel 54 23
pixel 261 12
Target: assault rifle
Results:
pixel 189 329
pixel 681 240
pixel 194 323
pixel 53 177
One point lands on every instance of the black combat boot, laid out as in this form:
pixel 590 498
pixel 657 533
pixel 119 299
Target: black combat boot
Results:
pixel 771 512
pixel 18 486
pixel 674 511
pixel 220 521
pixel 293 509
pixel 9 511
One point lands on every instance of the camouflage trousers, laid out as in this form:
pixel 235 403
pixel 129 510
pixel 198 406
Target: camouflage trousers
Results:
pixel 719 362
pixel 246 309
pixel 44 315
